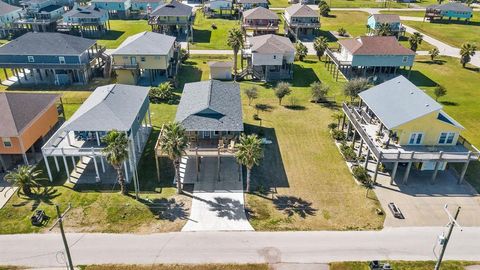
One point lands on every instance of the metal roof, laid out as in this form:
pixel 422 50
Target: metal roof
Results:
pixel 210 106
pixel 398 101
pixel 146 43
pixel 299 10
pixel 109 107
pixel 260 13
pixel 18 110
pixel 47 43
pixel 173 8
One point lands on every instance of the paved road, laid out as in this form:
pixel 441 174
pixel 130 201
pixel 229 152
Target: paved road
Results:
pixel 239 247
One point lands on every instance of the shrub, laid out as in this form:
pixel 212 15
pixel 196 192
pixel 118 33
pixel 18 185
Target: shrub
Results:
pixel 348 153
pixel 251 93
pixel 361 174
pixel 184 55
pixel 162 94
pixel 332 126
pixel 282 90
pixel 342 32
pixel 338 135
pixel 319 91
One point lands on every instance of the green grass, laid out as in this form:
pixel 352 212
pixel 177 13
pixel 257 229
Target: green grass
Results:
pixel 345 4
pixel 207 38
pixel 179 267
pixel 453 33
pixel 120 30
pixel 403 265
pixel 407 13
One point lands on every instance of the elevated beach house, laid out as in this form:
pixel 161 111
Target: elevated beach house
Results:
pixel 85 21
pixel 369 56
pixel 269 58
pixel 119 9
pixel 376 21
pixel 26 122
pixel 450 10
pixel 399 123
pixel 174 19
pixel 142 8
pixel 211 113
pixel 42 15
pixel 259 21
pixel 123 108
pixel 52 58
pixel 249 4
pixel 301 21
pixel 146 58
pixel 8 15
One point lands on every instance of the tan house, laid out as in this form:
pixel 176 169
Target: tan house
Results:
pixel 220 70
pixel 146 58
pixel 26 120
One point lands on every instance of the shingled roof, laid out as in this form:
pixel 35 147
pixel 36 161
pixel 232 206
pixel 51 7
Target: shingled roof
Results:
pixel 174 8
pixel 6 8
pixel 85 12
pixel 271 44
pixel 299 10
pixel 375 45
pixel 47 43
pixel 18 110
pixel 210 106
pixel 252 1
pixel 260 13
pixel 452 6
pixel 146 43
pixel 386 18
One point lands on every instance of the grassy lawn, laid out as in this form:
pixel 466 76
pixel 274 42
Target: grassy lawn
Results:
pixel 454 33
pixel 403 265
pixel 205 37
pixel 345 4
pixel 120 30
pixel 179 267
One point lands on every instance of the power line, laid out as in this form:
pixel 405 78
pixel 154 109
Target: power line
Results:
pixel 59 222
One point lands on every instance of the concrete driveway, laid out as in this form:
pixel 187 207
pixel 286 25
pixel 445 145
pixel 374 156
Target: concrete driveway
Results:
pixel 217 204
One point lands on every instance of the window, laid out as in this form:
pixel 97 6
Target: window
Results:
pixel 31 59
pixel 7 142
pixel 446 138
pixel 415 138
pixel 61 59
pixel 274 57
pixel 142 58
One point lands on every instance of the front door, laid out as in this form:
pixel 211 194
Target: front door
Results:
pixel 133 61
pixel 206 134
pixel 415 138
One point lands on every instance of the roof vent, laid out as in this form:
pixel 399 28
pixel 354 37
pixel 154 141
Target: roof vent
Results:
pixel 427 105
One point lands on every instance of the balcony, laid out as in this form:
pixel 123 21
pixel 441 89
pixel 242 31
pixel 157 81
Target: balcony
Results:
pixel 125 66
pixel 338 58
pixel 384 146
pixel 226 146
pixel 300 24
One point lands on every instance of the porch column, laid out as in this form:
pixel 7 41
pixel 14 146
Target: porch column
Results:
pixel 25 159
pixel 197 168
pixel 157 164
pixel 74 164
pixel 343 122
pixel 56 163
pixel 435 170
pixel 365 165
pixel 218 164
pixel 48 168
pixel 349 126
pixel 149 116
pixel 96 166
pixel 102 163
pixel 395 167
pixel 377 166
pixel 464 169
pixel 126 171
pixel 98 138
pixel 360 148
pixel 66 166
pixel 409 167
pixel 354 138
pixel 2 163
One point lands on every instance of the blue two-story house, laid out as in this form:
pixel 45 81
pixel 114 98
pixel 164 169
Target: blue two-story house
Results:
pixel 52 58
pixel 145 7
pixel 85 21
pixel 450 10
pixel 369 56
pixel 8 15
pixel 42 15
pixel 116 8
pixel 376 21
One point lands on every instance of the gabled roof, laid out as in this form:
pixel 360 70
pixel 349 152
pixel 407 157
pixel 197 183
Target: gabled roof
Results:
pixel 260 13
pixel 6 8
pixel 252 1
pixel 375 45
pixel 47 43
pixel 210 106
pixel 18 110
pixel 271 44
pixel 109 1
pixel 299 10
pixel 85 12
pixel 146 43
pixel 174 8
pixel 398 101
pixel 452 6
pixel 109 107
pixel 148 1
pixel 386 18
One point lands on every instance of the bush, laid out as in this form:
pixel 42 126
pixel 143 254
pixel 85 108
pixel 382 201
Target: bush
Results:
pixel 319 91
pixel 342 32
pixel 282 90
pixel 162 94
pixel 184 55
pixel 338 135
pixel 361 174
pixel 332 126
pixel 348 153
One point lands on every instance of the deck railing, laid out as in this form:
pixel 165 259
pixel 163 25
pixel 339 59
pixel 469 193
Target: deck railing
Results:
pixel 338 62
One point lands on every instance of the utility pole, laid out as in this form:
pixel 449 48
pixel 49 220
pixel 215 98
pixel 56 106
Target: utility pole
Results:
pixel 453 222
pixel 60 224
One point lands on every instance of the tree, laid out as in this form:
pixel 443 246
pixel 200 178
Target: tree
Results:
pixel 301 50
pixel 466 52
pixel 323 8
pixel 434 53
pixel 319 91
pixel 337 117
pixel 320 45
pixel 116 153
pixel 161 93
pixel 235 41
pixel 25 178
pixel 251 93
pixel 415 40
pixel 439 91
pixel 384 30
pixel 249 153
pixel 353 87
pixel 282 90
pixel 173 142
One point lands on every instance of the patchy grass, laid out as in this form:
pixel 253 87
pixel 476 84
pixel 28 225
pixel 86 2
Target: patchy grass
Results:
pixel 346 3
pixel 205 37
pixel 403 265
pixel 120 30
pixel 179 267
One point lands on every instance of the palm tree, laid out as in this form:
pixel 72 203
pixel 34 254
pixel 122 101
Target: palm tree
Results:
pixel 116 153
pixel 338 117
pixel 320 45
pixel 415 40
pixel 173 142
pixel 235 41
pixel 384 30
pixel 434 53
pixel 249 153
pixel 24 177
pixel 466 52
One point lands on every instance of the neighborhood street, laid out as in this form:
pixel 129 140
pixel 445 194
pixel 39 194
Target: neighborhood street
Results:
pixel 42 250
